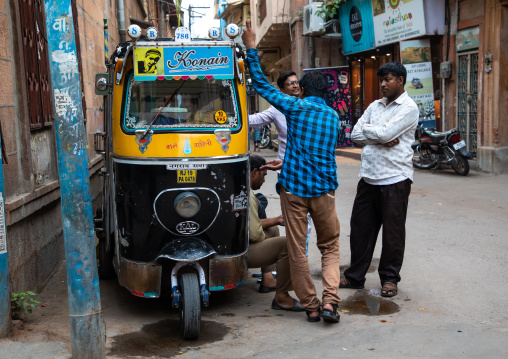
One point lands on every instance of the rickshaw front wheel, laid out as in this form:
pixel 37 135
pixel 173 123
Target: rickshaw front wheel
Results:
pixel 190 308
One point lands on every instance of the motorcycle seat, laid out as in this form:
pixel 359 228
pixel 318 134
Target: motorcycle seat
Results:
pixel 440 136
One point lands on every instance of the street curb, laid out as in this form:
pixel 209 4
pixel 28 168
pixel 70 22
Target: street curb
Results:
pixel 354 153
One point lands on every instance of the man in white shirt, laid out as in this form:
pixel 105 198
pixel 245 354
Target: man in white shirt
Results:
pixel 288 84
pixel 387 130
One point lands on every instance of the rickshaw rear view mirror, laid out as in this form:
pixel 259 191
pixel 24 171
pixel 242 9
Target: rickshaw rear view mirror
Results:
pixel 101 84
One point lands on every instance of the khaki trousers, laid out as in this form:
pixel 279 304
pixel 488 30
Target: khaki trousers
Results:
pixel 326 222
pixel 272 251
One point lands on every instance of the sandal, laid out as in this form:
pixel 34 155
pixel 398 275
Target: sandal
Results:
pixel 331 316
pixel 344 283
pixel 312 319
pixel 389 289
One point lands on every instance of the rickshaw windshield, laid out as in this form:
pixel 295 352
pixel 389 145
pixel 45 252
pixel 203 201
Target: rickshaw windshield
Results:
pixel 195 105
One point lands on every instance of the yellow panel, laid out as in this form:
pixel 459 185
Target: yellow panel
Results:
pixel 171 145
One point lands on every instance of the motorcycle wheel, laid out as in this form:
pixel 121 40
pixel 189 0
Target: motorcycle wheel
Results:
pixel 460 165
pixel 423 160
pixel 190 308
pixel 266 140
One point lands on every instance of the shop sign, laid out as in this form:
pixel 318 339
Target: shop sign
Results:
pixel 397 20
pixel 416 58
pixel 357 27
pixel 152 63
pixel 468 39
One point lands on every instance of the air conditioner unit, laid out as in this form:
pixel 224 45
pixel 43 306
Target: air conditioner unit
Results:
pixel 313 24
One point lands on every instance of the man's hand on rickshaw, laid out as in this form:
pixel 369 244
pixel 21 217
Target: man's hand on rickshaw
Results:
pixel 249 36
pixel 273 165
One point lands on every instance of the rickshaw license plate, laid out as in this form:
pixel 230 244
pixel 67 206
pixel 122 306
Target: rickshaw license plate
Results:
pixel 186 176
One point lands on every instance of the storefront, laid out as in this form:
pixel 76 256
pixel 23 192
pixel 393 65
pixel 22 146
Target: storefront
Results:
pixel 373 33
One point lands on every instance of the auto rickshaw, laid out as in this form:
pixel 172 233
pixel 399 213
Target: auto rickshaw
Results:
pixel 174 218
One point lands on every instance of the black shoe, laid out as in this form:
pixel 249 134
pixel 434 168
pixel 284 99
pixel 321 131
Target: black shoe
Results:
pixel 297 307
pixel 265 289
pixel 345 283
pixel 312 319
pixel 331 316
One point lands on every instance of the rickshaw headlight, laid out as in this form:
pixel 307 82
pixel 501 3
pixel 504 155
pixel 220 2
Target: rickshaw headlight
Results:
pixel 187 204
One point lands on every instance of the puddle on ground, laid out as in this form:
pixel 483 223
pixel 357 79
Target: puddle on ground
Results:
pixel 163 340
pixel 365 303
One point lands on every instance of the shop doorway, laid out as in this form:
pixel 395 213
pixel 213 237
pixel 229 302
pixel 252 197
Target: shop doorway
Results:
pixel 467 96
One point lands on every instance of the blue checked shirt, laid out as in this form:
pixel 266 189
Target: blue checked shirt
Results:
pixel 309 168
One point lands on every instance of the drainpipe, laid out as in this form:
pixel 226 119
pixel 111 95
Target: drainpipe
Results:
pixel 121 21
pixel 312 52
pixel 163 18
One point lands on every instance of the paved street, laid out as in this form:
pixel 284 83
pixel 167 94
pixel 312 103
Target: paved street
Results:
pixel 452 300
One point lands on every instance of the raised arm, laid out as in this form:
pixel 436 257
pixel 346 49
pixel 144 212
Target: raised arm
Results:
pixel 279 100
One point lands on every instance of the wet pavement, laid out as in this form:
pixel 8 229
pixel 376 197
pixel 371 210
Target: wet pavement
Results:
pixel 450 304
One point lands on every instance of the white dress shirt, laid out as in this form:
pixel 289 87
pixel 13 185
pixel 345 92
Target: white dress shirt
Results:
pixel 279 120
pixel 381 124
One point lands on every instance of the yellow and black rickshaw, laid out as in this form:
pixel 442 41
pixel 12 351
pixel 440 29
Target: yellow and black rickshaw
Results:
pixel 176 169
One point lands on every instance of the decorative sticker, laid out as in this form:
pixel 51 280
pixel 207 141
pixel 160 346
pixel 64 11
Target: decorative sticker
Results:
pixel 186 176
pixel 239 202
pixel 224 138
pixel 148 61
pixel 210 61
pixel 143 140
pixel 186 166
pixel 221 117
pixel 187 149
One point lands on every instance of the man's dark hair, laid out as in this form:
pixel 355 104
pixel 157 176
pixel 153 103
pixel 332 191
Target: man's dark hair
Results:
pixel 314 83
pixel 256 162
pixel 282 78
pixel 394 68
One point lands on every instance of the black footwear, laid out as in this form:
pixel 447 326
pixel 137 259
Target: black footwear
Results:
pixel 312 319
pixel 257 275
pixel 297 307
pixel 331 316
pixel 344 283
pixel 265 289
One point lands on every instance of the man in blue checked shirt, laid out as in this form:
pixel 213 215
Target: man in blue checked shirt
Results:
pixel 308 181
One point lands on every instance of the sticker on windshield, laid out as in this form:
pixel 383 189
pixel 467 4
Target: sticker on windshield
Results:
pixel 221 117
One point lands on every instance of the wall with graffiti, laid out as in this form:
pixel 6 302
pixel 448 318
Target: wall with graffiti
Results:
pixel 338 97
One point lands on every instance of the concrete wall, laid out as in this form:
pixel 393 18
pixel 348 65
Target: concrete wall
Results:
pixel 492 19
pixel 33 216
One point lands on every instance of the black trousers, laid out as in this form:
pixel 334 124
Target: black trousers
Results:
pixel 376 207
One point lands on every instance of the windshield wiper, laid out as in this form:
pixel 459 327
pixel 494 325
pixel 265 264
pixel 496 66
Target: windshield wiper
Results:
pixel 169 99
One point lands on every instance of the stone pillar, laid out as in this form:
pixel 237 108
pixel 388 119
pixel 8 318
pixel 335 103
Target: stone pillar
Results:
pixel 493 151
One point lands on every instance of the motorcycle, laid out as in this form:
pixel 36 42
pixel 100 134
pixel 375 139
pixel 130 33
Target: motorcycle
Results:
pixel 433 149
pixel 266 137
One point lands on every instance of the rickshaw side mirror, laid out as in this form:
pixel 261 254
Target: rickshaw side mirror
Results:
pixel 101 84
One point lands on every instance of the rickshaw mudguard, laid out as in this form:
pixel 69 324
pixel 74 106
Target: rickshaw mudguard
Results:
pixel 141 279
pixel 227 272
pixel 187 250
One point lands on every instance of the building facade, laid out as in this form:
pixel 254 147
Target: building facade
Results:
pixel 32 189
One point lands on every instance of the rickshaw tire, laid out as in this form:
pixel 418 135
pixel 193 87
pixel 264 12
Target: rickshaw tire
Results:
pixel 105 265
pixel 190 308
